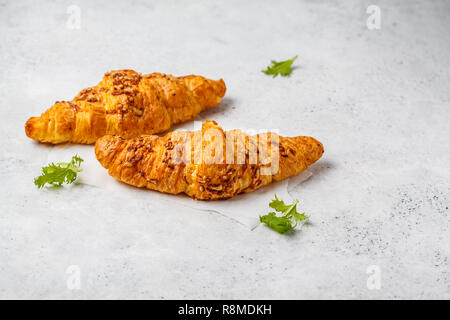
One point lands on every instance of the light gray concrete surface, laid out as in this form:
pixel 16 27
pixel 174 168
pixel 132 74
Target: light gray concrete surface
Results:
pixel 379 100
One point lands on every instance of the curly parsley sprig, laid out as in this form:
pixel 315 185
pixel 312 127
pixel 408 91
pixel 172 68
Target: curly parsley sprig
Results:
pixel 283 68
pixel 57 174
pixel 289 218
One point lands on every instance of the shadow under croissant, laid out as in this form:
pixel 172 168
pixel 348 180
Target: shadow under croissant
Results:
pixel 239 197
pixel 317 170
pixel 224 107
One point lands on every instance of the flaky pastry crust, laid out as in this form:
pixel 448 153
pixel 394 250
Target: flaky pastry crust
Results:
pixel 198 164
pixel 128 104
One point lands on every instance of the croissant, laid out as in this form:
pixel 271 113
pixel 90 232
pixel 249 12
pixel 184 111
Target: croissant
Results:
pixel 206 164
pixel 128 104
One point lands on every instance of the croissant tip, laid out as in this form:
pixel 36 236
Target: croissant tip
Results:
pixel 106 147
pixel 31 127
pixel 223 88
pixel 220 88
pixel 316 150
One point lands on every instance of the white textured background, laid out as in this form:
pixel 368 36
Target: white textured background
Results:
pixel 379 100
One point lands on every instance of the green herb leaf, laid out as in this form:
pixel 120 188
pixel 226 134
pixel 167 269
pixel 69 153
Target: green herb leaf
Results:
pixel 289 218
pixel 279 224
pixel 278 205
pixel 283 68
pixel 57 174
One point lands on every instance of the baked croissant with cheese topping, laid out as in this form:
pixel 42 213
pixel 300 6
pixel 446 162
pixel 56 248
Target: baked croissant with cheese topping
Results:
pixel 206 164
pixel 128 104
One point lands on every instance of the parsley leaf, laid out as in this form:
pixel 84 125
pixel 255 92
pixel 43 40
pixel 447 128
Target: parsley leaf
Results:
pixel 283 68
pixel 279 224
pixel 278 205
pixel 57 174
pixel 289 218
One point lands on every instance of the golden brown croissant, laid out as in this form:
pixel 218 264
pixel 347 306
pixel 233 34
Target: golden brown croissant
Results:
pixel 206 164
pixel 128 104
